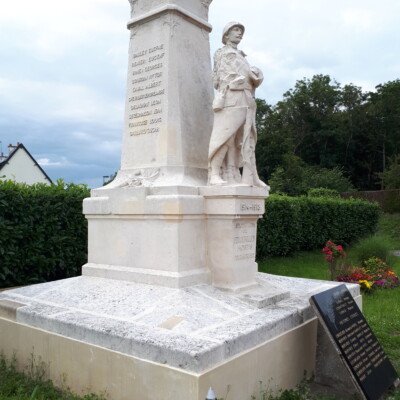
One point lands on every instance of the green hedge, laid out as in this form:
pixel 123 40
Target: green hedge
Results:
pixel 299 223
pixel 43 234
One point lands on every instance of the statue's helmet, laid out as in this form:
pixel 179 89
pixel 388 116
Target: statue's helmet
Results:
pixel 228 27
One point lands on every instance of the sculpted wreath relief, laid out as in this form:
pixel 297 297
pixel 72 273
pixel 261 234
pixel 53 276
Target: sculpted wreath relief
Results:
pixel 234 135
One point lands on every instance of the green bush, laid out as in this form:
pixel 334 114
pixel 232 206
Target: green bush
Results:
pixel 295 178
pixel 278 227
pixel 291 224
pixel 323 192
pixel 391 176
pixel 391 204
pixel 43 234
pixel 372 247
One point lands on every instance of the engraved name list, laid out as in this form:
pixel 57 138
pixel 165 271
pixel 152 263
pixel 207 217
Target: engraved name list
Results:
pixel 146 91
pixel 244 241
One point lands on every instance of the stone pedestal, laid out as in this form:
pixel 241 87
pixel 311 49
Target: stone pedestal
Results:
pixel 153 235
pixel 175 236
pixel 232 213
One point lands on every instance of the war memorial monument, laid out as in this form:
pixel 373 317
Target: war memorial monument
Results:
pixel 170 302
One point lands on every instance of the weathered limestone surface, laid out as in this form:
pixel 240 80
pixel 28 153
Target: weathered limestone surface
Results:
pixel 157 222
pixel 231 234
pixel 88 368
pixel 234 134
pixel 193 329
pixel 168 118
pixel 148 225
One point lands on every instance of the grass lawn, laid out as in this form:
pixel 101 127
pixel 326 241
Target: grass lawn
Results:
pixel 32 385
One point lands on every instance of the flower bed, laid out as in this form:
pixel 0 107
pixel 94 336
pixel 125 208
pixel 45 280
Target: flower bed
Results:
pixel 373 273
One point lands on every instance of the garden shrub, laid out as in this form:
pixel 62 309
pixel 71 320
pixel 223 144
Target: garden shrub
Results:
pixel 43 234
pixel 323 192
pixel 391 203
pixel 295 178
pixel 278 227
pixel 291 224
pixel 374 246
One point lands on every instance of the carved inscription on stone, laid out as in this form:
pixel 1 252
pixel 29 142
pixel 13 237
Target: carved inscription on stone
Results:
pixel 244 241
pixel 250 207
pixel 146 91
pixel 356 339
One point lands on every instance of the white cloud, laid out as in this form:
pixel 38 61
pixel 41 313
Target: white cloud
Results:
pixel 359 19
pixel 58 102
pixel 50 28
pixel 46 162
pixel 366 86
pixel 99 143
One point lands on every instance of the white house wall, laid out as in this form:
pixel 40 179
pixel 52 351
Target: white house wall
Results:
pixel 21 168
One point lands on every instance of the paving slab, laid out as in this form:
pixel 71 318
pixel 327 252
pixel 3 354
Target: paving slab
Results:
pixel 193 328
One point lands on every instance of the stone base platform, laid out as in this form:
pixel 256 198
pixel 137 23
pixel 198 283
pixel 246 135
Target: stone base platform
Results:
pixel 134 340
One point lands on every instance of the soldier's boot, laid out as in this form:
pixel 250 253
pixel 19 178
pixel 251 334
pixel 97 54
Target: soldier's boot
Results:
pixel 215 169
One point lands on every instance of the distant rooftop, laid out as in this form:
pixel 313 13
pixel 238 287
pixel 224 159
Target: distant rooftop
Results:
pixel 12 151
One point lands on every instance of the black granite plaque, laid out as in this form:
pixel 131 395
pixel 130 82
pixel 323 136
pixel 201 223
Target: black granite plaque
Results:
pixel 355 341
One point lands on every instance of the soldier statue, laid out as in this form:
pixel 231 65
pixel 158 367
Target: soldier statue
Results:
pixel 234 134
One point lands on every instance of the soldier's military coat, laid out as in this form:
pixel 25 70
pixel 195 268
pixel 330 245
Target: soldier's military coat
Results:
pixel 234 106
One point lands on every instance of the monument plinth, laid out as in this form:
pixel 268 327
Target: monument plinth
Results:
pixel 170 301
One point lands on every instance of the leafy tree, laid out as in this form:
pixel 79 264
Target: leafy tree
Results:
pixel 309 111
pixel 273 142
pixel 288 178
pixel 334 179
pixel 328 126
pixel 391 176
pixel 296 178
pixel 385 118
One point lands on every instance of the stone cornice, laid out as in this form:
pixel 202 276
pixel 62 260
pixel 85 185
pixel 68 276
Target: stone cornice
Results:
pixel 170 9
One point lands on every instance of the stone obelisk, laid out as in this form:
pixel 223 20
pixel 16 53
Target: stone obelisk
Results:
pixel 148 225
pixel 168 117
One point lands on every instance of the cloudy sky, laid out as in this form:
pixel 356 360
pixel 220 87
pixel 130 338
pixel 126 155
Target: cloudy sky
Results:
pixel 63 66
